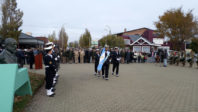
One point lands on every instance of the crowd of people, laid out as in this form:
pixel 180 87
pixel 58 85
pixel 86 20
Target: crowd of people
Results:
pixel 102 58
pixel 182 57
pixel 79 55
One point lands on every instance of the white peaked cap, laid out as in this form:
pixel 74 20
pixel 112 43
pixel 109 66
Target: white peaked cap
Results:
pixel 106 46
pixel 49 43
pixel 116 47
pixel 48 48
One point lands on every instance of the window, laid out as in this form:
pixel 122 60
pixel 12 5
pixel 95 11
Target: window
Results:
pixel 137 49
pixel 146 49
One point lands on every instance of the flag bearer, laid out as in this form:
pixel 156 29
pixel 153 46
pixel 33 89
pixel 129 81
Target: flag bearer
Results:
pixel 105 67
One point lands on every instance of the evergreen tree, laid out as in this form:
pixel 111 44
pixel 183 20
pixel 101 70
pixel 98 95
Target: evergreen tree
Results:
pixel 85 39
pixel 11 20
pixel 194 45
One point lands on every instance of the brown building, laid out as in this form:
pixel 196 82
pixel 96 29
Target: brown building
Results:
pixel 142 40
pixel 44 39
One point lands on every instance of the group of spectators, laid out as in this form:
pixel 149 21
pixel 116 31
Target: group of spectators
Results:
pixel 182 57
pixel 27 56
pixel 79 55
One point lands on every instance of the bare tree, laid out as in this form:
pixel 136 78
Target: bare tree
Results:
pixel 63 38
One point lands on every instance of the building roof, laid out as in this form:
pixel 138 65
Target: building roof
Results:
pixel 23 35
pixel 28 39
pixel 134 37
pixel 139 31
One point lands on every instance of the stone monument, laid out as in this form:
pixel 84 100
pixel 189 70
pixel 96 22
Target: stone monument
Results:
pixel 8 55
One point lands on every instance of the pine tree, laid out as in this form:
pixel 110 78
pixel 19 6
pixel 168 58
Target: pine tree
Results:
pixel 11 20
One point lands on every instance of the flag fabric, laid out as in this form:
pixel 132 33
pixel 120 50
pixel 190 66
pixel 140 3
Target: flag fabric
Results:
pixel 102 59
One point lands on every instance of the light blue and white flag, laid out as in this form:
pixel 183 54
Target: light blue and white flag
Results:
pixel 102 59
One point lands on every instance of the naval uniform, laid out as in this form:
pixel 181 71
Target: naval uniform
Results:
pixel 97 58
pixel 105 67
pixel 49 70
pixel 116 61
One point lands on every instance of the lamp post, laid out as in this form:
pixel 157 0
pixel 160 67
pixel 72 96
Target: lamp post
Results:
pixel 109 30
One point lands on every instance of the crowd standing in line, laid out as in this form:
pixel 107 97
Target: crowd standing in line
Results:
pixel 53 56
pixel 127 56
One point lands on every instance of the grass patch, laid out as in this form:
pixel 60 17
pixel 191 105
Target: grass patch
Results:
pixel 20 102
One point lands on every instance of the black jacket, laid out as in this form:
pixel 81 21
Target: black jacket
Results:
pixel 115 56
pixel 97 58
pixel 108 59
pixel 49 62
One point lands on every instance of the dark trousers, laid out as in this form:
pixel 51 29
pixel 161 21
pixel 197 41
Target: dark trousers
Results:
pixel 116 66
pixel 96 66
pixel 105 70
pixel 31 65
pixel 48 78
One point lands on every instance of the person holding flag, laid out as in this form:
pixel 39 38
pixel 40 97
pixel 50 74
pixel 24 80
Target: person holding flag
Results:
pixel 104 62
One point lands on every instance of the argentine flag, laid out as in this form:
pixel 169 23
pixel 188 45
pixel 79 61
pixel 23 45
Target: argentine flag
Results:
pixel 102 59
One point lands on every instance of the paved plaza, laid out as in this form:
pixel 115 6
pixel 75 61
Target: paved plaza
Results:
pixel 140 88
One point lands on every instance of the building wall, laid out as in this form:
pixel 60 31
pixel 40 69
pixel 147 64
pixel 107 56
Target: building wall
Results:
pixel 43 39
pixel 148 34
pixel 141 48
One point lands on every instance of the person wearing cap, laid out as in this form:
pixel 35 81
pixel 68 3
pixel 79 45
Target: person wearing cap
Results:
pixel 49 71
pixel 116 61
pixel 97 58
pixel 55 61
pixel 105 67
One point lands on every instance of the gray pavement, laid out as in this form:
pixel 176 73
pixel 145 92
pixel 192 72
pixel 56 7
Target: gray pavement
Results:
pixel 140 88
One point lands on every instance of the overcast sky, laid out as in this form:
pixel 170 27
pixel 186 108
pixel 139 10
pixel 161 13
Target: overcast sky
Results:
pixel 42 17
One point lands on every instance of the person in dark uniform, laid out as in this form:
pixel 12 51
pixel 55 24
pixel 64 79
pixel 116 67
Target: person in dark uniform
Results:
pixel 31 58
pixel 49 71
pixel 97 59
pixel 70 55
pixel 116 61
pixel 105 67
pixel 20 57
pixel 55 61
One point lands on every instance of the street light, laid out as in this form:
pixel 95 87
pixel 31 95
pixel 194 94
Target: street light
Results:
pixel 109 30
